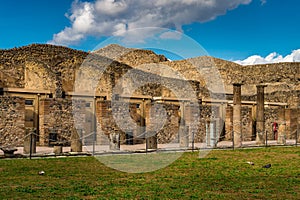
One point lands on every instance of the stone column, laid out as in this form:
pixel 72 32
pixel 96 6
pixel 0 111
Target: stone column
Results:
pixel 281 139
pixel 211 133
pixel 237 123
pixel 221 123
pixel 184 136
pixel 228 123
pixel 260 115
pixel 150 133
pixel 76 144
pixel 253 110
pixel 183 129
pixel 143 117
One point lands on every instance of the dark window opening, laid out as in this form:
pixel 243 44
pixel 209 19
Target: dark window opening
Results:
pixel 28 102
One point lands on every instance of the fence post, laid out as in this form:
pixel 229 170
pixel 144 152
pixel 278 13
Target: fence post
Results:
pixel 193 141
pixel 30 146
pixel 266 138
pixel 94 141
pixel 232 138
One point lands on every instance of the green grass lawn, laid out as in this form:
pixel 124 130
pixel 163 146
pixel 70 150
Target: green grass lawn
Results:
pixel 223 174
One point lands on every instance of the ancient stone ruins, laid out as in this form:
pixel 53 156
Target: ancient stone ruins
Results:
pixel 130 96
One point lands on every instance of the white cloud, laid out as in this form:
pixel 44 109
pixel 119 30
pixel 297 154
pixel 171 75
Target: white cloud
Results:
pixel 175 35
pixel 271 58
pixel 263 2
pixel 114 17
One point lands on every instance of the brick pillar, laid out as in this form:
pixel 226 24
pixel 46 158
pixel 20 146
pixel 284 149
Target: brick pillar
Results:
pixel 151 135
pixel 228 123
pixel 192 120
pixel 281 139
pixel 184 136
pixel 291 123
pixel 211 133
pixel 253 110
pixel 237 124
pixel 76 144
pixel 221 126
pixel 183 129
pixel 260 115
pixel 143 116
pixel 44 111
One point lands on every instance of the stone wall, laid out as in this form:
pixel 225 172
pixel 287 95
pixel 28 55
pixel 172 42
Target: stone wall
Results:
pixel 130 56
pixel 107 114
pixel 198 116
pixel 61 116
pixel 282 79
pixel 228 123
pixel 51 58
pixel 208 113
pixel 274 114
pixel 291 123
pixel 247 124
pixel 271 115
pixel 12 121
pixel 37 66
pixel 256 74
pixel 22 67
pixel 164 120
pixel 138 82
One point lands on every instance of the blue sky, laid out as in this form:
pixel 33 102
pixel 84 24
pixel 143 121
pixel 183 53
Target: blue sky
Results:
pixel 227 29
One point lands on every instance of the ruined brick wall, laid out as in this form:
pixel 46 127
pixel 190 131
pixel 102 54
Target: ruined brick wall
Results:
pixel 12 121
pixel 130 56
pixel 58 116
pixel 282 79
pixel 106 123
pixel 289 97
pixel 228 123
pixel 139 57
pixel 52 58
pixel 192 119
pixel 201 115
pixel 20 67
pixel 247 124
pixel 256 74
pixel 272 114
pixel 291 123
pixel 165 115
pixel 208 113
pixel 137 82
pixel 38 76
